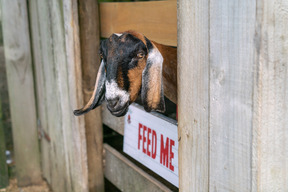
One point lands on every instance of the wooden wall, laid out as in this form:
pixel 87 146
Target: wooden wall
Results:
pixel 56 56
pixel 18 60
pixel 232 94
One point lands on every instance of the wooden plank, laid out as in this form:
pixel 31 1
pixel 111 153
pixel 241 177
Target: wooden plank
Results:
pixel 156 19
pixel 115 123
pixel 270 148
pixel 61 132
pixel 54 167
pixel 127 176
pixel 40 84
pixel 75 135
pixel 193 95
pixel 21 91
pixel 43 69
pixel 232 29
pixel 4 179
pixel 90 42
pixel 64 152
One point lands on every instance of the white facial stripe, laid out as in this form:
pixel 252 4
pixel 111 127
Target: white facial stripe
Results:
pixel 118 34
pixel 113 91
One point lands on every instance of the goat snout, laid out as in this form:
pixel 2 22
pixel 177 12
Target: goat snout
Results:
pixel 112 103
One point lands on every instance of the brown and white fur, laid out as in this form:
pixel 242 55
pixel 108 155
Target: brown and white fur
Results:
pixel 132 65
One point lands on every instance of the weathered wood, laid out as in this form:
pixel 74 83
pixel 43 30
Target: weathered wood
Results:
pixel 35 18
pixel 127 176
pixel 4 179
pixel 193 95
pixel 57 66
pixel 270 134
pixel 232 27
pixel 21 91
pixel 76 145
pixel 54 167
pixel 90 41
pixel 156 19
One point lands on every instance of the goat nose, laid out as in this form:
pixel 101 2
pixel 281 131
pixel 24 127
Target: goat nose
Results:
pixel 112 102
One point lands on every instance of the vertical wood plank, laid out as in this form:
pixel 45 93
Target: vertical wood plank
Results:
pixel 271 97
pixel 232 29
pixel 21 91
pixel 77 151
pixel 56 167
pixel 4 181
pixel 61 135
pixel 40 83
pixel 65 163
pixel 90 41
pixel 193 94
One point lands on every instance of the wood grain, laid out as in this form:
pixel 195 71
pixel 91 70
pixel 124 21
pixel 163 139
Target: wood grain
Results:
pixel 21 91
pixel 232 27
pixel 58 65
pixel 193 95
pixel 76 138
pixel 270 149
pixel 40 83
pixel 157 20
pixel 127 176
pixel 90 42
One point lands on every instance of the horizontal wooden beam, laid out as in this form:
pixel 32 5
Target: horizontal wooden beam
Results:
pixel 157 20
pixel 127 176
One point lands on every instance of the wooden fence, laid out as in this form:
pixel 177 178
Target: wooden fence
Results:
pixel 232 95
pixel 232 92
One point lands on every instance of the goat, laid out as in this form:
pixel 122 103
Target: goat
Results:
pixel 131 65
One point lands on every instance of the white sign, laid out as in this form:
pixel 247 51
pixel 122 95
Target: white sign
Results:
pixel 153 142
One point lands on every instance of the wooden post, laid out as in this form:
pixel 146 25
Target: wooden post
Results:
pixel 21 91
pixel 4 180
pixel 233 76
pixel 193 94
pixel 231 91
pixel 270 123
pixel 90 41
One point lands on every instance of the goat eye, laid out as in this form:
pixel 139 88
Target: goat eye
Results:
pixel 140 55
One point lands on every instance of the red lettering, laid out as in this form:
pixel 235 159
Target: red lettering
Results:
pixel 154 144
pixel 171 156
pixel 144 139
pixel 139 135
pixel 148 141
pixel 164 151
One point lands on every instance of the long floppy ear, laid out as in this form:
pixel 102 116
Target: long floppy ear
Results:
pixel 152 94
pixel 98 93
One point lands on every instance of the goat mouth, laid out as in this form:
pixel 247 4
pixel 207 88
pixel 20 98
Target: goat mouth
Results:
pixel 119 112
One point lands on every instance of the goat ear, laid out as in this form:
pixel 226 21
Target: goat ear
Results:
pixel 98 93
pixel 152 86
